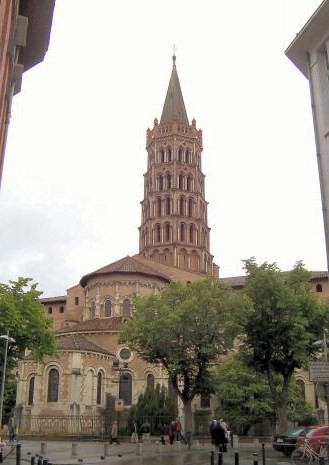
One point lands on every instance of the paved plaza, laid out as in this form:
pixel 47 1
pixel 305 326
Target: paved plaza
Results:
pixel 153 453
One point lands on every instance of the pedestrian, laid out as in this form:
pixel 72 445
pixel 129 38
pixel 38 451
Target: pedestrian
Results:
pixel 218 436
pixel 12 428
pixel 134 435
pixel 178 430
pixel 172 432
pixel 146 431
pixel 114 433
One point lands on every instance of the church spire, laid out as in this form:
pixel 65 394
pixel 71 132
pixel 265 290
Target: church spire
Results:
pixel 174 107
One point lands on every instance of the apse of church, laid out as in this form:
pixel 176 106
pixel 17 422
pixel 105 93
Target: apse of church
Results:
pixel 174 229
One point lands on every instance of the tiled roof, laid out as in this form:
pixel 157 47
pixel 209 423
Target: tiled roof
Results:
pixel 95 325
pixel 125 265
pixel 61 298
pixel 77 342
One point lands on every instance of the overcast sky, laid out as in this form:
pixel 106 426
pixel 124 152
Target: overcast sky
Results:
pixel 75 158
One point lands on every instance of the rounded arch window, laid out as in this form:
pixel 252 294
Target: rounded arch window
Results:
pixel 108 307
pixel 31 391
pixel 53 385
pixel 318 288
pixel 150 382
pixel 126 307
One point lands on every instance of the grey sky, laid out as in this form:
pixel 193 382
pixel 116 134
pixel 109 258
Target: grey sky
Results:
pixel 73 178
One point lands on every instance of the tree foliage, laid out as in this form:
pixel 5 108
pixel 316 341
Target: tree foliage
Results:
pixel 185 328
pixel 154 403
pixel 23 317
pixel 286 318
pixel 245 399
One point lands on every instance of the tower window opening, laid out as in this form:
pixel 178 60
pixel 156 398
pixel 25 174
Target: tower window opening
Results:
pixel 318 288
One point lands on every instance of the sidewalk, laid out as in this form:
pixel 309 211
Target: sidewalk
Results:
pixel 84 453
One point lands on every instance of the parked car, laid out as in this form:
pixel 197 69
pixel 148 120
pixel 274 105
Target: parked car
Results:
pixel 315 435
pixel 286 442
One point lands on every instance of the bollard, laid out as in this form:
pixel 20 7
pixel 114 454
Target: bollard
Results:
pixel 74 451
pixel 106 449
pixel 139 449
pixel 18 454
pixel 1 456
pixel 235 441
pixel 212 458
pixel 45 461
pixel 263 454
pixel 39 462
pixel 32 460
pixel 236 457
pixel 220 459
pixel 43 448
pixel 255 458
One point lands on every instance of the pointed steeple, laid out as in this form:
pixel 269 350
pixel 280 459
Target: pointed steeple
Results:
pixel 174 107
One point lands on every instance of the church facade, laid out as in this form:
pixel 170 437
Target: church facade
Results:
pixel 93 373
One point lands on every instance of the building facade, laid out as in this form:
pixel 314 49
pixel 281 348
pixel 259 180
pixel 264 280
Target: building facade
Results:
pixel 25 27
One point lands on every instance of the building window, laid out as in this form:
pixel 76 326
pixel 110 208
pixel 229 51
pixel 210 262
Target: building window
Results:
pixel 31 391
pixel 125 388
pixel 53 384
pixel 50 310
pixel 76 300
pixel 205 401
pixel 125 354
pixel 61 309
pixel 93 309
pixel 126 307
pixel 319 288
pixel 150 382
pixel 108 307
pixel 99 388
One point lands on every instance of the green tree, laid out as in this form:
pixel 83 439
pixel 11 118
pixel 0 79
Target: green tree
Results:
pixel 185 328
pixel 23 317
pixel 156 406
pixel 281 326
pixel 245 399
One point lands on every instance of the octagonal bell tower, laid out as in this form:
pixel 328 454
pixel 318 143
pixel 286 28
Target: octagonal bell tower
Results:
pixel 174 229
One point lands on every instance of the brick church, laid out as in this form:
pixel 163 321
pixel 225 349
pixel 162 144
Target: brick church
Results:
pixel 174 244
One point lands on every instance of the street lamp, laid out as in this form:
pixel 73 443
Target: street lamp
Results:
pixel 8 340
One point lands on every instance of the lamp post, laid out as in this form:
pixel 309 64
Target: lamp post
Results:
pixel 7 341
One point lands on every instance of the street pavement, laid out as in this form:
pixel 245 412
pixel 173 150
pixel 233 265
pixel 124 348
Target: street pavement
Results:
pixel 153 453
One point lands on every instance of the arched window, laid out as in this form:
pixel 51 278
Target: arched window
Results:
pixel 126 307
pixel 182 232
pixel 157 233
pixel 31 391
pixel 182 206
pixel 150 382
pixel 189 183
pixel 192 233
pixel 167 232
pixel 162 156
pixel 158 207
pixel 190 207
pixel 167 206
pixel 180 154
pixel 99 388
pixel 169 153
pixel 187 156
pixel 125 388
pixel 108 307
pixel 160 183
pixel 205 401
pixel 53 385
pixel 181 182
pixel 319 288
pixel 50 310
pixel 168 181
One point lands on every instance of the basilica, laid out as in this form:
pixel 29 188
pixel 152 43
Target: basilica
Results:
pixel 92 373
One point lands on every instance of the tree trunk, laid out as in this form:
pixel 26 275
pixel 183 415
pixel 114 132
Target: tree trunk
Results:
pixel 188 416
pixel 281 417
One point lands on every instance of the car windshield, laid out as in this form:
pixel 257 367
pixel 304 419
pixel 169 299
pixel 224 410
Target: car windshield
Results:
pixel 294 432
pixel 309 432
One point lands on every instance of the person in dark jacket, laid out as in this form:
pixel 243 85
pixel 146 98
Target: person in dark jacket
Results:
pixel 218 436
